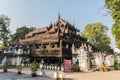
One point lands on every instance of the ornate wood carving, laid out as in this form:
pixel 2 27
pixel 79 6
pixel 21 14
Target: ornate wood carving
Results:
pixel 57 39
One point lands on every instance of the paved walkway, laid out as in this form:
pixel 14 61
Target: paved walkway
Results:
pixel 111 75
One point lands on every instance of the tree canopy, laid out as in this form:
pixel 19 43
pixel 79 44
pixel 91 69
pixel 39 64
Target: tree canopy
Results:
pixel 4 29
pixel 96 34
pixel 113 7
pixel 20 33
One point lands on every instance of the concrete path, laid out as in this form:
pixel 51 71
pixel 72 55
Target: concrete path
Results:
pixel 111 75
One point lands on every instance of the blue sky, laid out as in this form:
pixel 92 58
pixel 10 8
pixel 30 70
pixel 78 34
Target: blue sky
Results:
pixel 39 13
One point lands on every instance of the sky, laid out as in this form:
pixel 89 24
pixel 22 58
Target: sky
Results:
pixel 40 13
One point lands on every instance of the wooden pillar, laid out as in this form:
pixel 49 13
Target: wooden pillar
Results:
pixel 48 60
pixel 60 43
pixel 60 59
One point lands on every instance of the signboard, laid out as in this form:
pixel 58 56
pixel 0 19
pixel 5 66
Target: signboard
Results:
pixel 67 65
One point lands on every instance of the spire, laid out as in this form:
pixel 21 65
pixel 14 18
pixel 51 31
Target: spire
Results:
pixel 51 24
pixel 58 15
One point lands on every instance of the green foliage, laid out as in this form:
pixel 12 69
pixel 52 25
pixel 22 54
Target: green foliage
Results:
pixel 113 7
pixel 76 68
pixel 5 65
pixel 2 46
pixel 20 33
pixel 4 29
pixel 34 67
pixel 116 33
pixel 37 64
pixel 96 33
pixel 116 65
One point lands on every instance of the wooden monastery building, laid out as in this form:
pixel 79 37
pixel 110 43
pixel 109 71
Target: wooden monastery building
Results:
pixel 52 44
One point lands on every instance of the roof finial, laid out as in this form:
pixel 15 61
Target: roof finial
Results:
pixel 74 24
pixel 51 23
pixel 58 14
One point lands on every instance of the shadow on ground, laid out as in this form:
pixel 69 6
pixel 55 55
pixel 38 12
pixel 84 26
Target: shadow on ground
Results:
pixel 66 79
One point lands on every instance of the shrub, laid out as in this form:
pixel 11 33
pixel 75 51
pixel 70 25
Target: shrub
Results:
pixel 34 67
pixel 116 65
pixel 76 68
pixel 37 64
pixel 5 66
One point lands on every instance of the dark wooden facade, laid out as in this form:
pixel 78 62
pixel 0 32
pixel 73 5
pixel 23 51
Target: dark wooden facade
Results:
pixel 54 40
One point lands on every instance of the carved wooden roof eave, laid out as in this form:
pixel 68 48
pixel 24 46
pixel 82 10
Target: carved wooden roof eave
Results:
pixel 39 30
pixel 52 30
pixel 72 27
pixel 66 23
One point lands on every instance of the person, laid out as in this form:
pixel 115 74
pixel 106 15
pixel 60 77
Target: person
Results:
pixel 43 71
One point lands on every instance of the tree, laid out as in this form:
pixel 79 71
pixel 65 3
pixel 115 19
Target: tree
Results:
pixel 96 34
pixel 20 33
pixel 4 29
pixel 113 7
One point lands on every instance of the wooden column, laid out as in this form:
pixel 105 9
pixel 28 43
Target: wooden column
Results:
pixel 60 43
pixel 60 59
